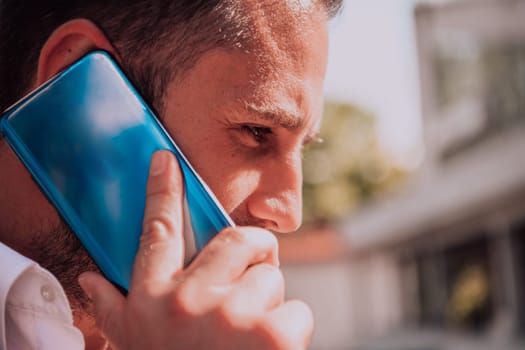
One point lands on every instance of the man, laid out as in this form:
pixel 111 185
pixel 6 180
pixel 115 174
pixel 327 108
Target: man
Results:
pixel 238 84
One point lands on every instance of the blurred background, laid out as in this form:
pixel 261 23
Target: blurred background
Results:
pixel 414 233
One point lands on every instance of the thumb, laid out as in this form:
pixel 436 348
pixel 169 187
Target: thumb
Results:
pixel 107 301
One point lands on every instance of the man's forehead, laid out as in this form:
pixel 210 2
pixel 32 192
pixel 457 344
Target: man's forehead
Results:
pixel 278 24
pixel 296 7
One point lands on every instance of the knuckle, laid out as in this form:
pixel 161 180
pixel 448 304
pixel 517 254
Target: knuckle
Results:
pixel 229 238
pixel 309 315
pixel 278 278
pixel 304 309
pixel 271 237
pixel 158 228
pixel 248 236
pixel 232 235
pixel 267 237
pixel 275 273
pixel 274 337
pixel 229 316
pixel 305 313
pixel 183 303
pixel 268 275
pixel 277 334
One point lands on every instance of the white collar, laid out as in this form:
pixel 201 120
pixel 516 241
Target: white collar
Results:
pixel 13 265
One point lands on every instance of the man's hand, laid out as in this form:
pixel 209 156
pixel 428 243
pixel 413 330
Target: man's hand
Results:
pixel 230 297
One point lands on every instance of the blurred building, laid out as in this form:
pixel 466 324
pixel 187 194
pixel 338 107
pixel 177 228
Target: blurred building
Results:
pixel 441 265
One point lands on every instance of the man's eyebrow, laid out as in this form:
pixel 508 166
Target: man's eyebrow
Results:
pixel 287 118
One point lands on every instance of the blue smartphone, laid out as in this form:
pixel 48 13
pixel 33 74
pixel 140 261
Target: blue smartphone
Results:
pixel 87 138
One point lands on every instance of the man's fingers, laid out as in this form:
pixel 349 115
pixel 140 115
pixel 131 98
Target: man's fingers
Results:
pixel 161 249
pixel 233 250
pixel 261 286
pixel 107 301
pixel 290 325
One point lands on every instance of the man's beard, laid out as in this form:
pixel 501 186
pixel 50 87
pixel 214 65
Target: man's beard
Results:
pixel 60 252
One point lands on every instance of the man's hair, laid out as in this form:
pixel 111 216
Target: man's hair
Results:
pixel 156 39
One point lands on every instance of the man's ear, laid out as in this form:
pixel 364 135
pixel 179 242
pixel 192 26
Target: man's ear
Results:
pixel 68 43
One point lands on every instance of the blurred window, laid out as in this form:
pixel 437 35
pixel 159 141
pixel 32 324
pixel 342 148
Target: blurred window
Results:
pixel 469 299
pixel 492 77
pixel 453 287
pixel 518 243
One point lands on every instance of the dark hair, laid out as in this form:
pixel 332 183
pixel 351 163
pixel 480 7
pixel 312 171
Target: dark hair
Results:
pixel 177 32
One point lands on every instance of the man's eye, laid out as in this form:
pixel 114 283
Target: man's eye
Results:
pixel 259 134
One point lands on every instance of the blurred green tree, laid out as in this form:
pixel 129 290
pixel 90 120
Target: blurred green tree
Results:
pixel 347 168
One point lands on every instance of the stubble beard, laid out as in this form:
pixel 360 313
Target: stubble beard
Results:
pixel 61 253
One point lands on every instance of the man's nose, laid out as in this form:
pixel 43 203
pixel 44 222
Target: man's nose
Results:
pixel 277 201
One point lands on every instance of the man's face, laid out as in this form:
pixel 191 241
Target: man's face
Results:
pixel 242 120
pixel 240 117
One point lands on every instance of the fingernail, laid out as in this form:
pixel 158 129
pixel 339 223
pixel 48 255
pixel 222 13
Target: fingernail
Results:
pixel 158 163
pixel 84 285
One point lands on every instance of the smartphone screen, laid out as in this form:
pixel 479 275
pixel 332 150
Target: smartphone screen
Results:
pixel 87 137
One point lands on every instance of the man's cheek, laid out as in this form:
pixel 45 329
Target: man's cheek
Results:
pixel 237 188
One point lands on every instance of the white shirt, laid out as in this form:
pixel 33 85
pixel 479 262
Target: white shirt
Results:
pixel 34 310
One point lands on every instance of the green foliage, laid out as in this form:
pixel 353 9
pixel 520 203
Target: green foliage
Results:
pixel 347 168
